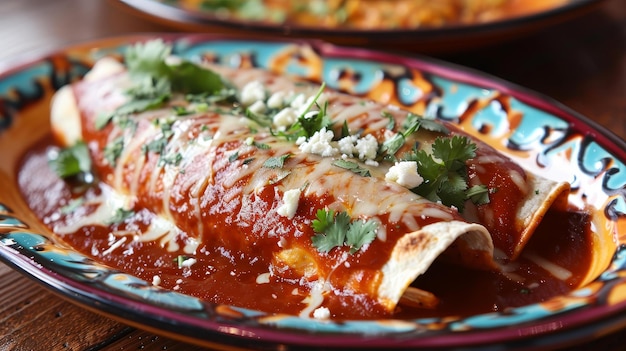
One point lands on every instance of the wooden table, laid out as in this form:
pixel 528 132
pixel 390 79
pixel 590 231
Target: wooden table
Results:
pixel 581 63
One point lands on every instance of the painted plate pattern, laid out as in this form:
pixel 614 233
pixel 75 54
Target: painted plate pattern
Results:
pixel 548 138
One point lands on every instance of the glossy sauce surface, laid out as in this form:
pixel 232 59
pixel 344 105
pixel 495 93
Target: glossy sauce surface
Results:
pixel 227 275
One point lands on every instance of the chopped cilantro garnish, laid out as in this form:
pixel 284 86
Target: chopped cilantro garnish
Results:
pixel 147 95
pixel 233 157
pixel 181 111
pixel 155 79
pixel 113 150
pixel 360 233
pixel 120 216
pixel 157 146
pixel 352 166
pixel 179 260
pixel 72 205
pixel 338 230
pixel 262 146
pixel 411 124
pixel 260 119
pixel 276 162
pixel 309 121
pixel 444 171
pixel 426 123
pixel 479 194
pixel 392 121
pixel 71 161
pixel 173 159
pixel 393 144
pixel 149 61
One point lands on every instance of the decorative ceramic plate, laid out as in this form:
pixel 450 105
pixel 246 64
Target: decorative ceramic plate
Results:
pixel 518 122
pixel 406 21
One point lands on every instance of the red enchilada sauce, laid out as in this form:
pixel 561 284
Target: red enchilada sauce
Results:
pixel 228 267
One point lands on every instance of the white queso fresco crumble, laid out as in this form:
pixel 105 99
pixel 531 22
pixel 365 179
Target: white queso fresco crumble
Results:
pixel 291 120
pixel 291 105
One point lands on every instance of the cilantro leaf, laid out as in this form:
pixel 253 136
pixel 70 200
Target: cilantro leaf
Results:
pixel 120 216
pixel 173 159
pixel 479 194
pixel 333 230
pixel 445 172
pixel 71 161
pixel 428 124
pixel 155 79
pixel 453 152
pixel 360 233
pixel 276 162
pixel 113 150
pixel 352 166
pixel 149 60
pixel 323 221
pixel 309 121
pixel 187 77
pixel 393 144
pixel 452 190
pixel 391 125
pixel 336 230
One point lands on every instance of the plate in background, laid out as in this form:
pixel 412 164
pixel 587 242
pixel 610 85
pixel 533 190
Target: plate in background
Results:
pixel 189 15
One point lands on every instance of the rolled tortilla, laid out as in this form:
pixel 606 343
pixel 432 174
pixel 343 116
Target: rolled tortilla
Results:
pixel 210 183
pixel 519 199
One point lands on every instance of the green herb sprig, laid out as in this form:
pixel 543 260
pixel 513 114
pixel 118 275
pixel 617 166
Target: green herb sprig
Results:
pixel 445 172
pixel 155 79
pixel 309 123
pixel 71 161
pixel 336 230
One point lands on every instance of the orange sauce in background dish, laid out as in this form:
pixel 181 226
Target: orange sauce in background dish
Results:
pixel 371 14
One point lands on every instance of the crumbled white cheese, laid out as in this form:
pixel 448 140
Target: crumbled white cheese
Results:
pixel 319 143
pixel 277 100
pixel 282 242
pixel 346 145
pixel 285 118
pixel 321 313
pixel 252 92
pixel 367 147
pixel 405 174
pixel 188 262
pixel 291 199
pixel 257 107
pixel 372 163
pixel 263 278
pixel 156 280
pixel 298 101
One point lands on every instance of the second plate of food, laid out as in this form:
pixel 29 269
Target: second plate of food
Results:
pixel 420 26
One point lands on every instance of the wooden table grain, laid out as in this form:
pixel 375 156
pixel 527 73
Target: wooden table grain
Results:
pixel 581 63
